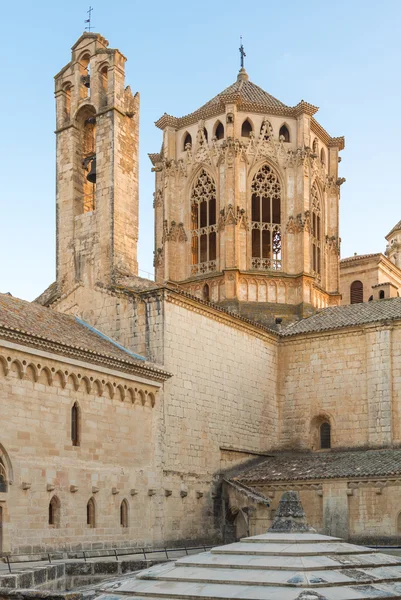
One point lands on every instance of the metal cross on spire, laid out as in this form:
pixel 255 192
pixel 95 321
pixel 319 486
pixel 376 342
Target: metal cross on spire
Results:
pixel 242 52
pixel 88 26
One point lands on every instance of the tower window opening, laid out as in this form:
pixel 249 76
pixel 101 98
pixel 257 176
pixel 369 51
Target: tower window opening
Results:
pixel 356 292
pixel 84 69
pixel 187 141
pixel 266 220
pixel 75 424
pixel 67 101
pixel 381 294
pixel 204 229
pixel 316 232
pixel 104 84
pixel 219 130
pixel 86 123
pixel 91 513
pixel 246 128
pixel 124 513
pixel 325 436
pixel 54 512
pixel 284 133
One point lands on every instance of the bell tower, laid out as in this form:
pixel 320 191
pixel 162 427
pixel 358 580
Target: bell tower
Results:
pixel 97 167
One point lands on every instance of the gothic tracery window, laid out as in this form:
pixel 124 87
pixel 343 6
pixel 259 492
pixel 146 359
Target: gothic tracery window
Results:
pixel 266 219
pixel 204 228
pixel 316 231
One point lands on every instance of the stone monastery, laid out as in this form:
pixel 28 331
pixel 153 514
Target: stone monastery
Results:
pixel 148 413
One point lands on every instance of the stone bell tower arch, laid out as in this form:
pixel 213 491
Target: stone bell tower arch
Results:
pixel 97 122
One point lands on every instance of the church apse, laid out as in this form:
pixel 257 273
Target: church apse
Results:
pixel 271 171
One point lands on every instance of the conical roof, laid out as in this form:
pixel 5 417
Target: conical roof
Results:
pixel 275 566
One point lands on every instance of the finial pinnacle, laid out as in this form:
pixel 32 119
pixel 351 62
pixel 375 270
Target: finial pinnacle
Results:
pixel 242 52
pixel 88 26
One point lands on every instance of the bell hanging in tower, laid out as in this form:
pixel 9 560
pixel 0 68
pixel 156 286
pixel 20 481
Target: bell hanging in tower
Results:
pixel 91 176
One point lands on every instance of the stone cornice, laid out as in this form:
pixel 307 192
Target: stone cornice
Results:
pixel 219 108
pixel 26 339
pixel 338 142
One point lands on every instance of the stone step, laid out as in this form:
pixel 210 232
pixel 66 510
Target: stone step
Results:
pixel 273 577
pixel 222 561
pixel 316 549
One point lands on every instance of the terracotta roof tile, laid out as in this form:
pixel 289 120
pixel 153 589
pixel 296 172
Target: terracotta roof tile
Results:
pixel 40 323
pixel 336 317
pixel 323 465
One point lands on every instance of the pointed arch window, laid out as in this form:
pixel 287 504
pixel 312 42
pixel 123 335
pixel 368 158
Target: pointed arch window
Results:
pixel 75 424
pixel 124 513
pixel 266 220
pixel 284 133
pixel 67 101
pixel 356 292
pixel 219 130
pixel 316 232
pixel 246 128
pixel 84 69
pixel 204 227
pixel 91 513
pixel 54 512
pixel 187 141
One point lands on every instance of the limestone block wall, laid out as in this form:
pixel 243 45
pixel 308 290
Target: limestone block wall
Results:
pixel 347 377
pixel 222 393
pixel 360 511
pixel 115 459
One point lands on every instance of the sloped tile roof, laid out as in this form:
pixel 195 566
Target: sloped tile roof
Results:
pixel 357 257
pixel 323 465
pixel 247 92
pixel 336 317
pixel 41 325
pixel 395 228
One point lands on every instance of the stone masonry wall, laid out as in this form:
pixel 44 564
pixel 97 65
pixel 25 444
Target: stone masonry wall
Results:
pixel 115 459
pixel 345 376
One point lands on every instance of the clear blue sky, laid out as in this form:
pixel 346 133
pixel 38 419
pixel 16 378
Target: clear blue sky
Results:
pixel 343 56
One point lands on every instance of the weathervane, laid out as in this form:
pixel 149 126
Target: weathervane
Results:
pixel 242 52
pixel 88 27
